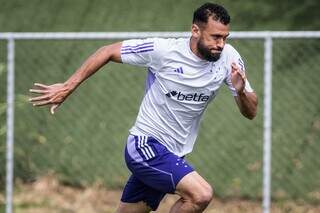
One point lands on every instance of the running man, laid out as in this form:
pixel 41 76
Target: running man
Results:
pixel 184 76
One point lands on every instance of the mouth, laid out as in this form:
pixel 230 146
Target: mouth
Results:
pixel 215 51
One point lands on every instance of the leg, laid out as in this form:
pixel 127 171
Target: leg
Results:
pixel 139 207
pixel 155 172
pixel 195 193
pixel 138 197
pixel 141 193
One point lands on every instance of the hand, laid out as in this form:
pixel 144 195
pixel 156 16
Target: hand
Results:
pixel 238 78
pixel 53 95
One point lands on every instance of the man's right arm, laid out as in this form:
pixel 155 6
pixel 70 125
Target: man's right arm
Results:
pixel 54 95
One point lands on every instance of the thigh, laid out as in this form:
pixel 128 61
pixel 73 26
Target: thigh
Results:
pixel 155 171
pixel 192 184
pixel 154 165
pixel 139 196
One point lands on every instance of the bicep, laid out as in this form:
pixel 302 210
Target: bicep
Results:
pixel 116 52
pixel 112 52
pixel 143 52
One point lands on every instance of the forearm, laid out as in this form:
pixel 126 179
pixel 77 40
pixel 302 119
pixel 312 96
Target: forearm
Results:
pixel 247 102
pixel 101 57
pixel 54 95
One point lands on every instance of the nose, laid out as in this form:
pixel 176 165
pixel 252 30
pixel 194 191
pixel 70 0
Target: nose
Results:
pixel 220 42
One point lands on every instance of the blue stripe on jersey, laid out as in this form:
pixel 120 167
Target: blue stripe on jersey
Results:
pixel 136 48
pixel 145 47
pixel 241 64
pixel 139 51
pixel 149 80
pixel 138 45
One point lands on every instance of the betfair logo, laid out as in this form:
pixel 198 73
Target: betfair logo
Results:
pixel 170 94
pixel 197 97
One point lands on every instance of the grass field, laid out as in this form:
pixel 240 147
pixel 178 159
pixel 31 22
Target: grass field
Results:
pixel 84 141
pixel 48 195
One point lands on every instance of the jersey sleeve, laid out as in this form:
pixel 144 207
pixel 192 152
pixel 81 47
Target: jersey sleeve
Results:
pixel 142 52
pixel 234 57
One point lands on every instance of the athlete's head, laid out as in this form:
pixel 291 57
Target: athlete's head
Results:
pixel 210 29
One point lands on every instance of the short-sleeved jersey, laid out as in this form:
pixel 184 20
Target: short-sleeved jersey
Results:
pixel 179 87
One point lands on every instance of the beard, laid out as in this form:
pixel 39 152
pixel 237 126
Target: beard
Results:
pixel 206 53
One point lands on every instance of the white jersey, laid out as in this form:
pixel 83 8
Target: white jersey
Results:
pixel 179 87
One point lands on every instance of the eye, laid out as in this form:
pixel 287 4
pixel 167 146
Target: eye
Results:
pixel 225 38
pixel 219 37
pixel 215 37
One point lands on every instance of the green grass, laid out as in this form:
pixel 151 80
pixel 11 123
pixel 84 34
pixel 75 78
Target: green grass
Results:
pixel 83 143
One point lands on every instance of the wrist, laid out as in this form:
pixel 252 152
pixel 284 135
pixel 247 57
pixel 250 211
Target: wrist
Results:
pixel 70 86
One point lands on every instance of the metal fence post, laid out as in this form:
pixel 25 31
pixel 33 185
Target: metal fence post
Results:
pixel 10 124
pixel 267 120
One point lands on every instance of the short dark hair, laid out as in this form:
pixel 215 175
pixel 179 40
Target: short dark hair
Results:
pixel 217 12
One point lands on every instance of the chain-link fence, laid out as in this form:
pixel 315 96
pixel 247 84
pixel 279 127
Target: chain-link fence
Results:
pixel 83 142
pixel 296 120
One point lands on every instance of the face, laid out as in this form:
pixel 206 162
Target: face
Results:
pixel 211 39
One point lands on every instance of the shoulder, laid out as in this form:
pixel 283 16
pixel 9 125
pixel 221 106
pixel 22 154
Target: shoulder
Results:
pixel 168 47
pixel 169 44
pixel 159 44
pixel 230 51
pixel 230 54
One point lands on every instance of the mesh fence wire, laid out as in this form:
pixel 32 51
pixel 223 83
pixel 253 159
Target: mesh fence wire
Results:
pixel 83 142
pixel 296 120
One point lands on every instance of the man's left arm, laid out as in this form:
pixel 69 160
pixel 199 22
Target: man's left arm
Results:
pixel 246 101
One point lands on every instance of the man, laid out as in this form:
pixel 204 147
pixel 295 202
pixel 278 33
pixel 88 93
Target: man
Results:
pixel 184 75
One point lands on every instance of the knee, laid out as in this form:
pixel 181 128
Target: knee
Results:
pixel 203 197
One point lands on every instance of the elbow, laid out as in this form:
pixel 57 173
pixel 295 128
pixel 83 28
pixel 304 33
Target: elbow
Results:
pixel 253 112
pixel 251 116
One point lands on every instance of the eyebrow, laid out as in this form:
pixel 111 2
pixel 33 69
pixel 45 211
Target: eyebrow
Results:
pixel 220 35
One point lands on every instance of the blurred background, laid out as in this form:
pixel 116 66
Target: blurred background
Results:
pixel 83 143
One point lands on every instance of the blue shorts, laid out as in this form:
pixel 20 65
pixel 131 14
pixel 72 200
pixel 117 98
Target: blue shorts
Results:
pixel 155 171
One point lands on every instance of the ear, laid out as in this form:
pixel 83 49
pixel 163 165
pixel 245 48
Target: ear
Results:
pixel 195 31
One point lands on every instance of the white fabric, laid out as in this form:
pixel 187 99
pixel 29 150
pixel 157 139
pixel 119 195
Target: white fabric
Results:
pixel 184 84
